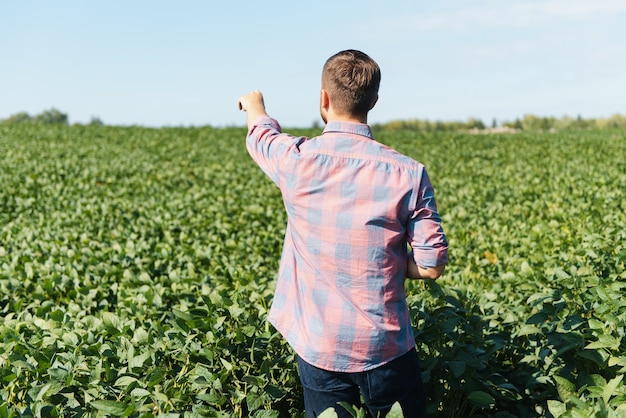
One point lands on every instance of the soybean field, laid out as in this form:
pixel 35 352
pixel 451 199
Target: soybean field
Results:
pixel 137 268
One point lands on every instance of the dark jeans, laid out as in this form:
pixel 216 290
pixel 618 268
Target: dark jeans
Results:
pixel 397 381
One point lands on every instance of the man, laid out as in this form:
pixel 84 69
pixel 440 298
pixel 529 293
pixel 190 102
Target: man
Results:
pixel 352 206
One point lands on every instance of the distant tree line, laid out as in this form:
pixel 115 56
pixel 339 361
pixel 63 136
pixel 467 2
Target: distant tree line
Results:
pixel 47 117
pixel 534 123
pixel 430 126
pixel 527 123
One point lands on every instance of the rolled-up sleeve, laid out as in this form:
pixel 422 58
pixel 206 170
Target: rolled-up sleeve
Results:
pixel 425 232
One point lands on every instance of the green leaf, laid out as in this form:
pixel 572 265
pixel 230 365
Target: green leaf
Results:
pixel 556 408
pixel 182 315
pixel 111 320
pixel 274 392
pixel 481 399
pixel 396 411
pixel 213 398
pixel 617 361
pixel 248 330
pixel 253 380
pixel 109 407
pixel 604 341
pixel 611 387
pixel 48 390
pixel 599 357
pixel 328 413
pixel 139 393
pixel 566 389
pixel 227 365
pixel 561 274
pixel 457 367
pixel 538 318
pixel 253 401
pixel 528 330
pixel 138 361
pixel 595 324
pixel 125 381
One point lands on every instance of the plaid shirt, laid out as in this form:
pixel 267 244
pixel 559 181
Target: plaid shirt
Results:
pixel 352 206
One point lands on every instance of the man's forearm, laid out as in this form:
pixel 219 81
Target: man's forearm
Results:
pixel 413 271
pixel 254 113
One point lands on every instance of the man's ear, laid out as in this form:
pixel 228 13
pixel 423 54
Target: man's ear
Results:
pixel 324 100
pixel 374 102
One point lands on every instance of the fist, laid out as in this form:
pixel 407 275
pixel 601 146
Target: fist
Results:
pixel 251 100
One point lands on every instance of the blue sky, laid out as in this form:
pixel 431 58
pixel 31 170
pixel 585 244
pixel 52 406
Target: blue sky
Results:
pixel 164 63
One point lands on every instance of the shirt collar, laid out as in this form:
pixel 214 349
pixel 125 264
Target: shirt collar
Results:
pixel 350 128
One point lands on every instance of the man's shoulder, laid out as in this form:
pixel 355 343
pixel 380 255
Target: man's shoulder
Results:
pixel 360 148
pixel 391 155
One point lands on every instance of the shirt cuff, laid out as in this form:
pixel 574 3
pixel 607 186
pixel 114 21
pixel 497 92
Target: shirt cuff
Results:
pixel 430 257
pixel 267 121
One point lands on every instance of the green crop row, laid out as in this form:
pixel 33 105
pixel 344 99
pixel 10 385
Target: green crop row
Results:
pixel 137 269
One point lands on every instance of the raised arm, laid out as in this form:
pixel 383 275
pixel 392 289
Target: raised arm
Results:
pixel 253 104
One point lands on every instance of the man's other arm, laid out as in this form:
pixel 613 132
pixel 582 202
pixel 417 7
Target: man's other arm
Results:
pixel 413 271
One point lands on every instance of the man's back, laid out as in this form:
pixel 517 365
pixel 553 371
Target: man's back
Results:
pixel 352 204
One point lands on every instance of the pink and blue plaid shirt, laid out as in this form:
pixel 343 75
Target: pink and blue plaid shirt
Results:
pixel 352 206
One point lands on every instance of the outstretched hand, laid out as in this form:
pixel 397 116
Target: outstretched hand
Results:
pixel 253 104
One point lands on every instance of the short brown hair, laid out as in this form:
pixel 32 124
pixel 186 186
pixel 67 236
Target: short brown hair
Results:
pixel 351 79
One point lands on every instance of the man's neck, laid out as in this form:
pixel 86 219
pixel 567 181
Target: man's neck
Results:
pixel 333 117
